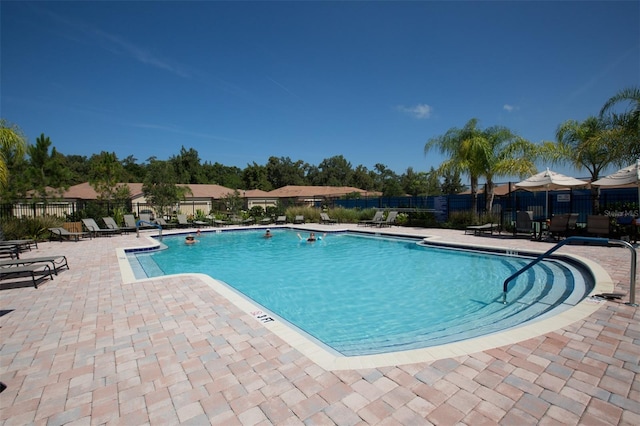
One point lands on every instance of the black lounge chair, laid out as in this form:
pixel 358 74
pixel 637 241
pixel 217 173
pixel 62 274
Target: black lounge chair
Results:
pixel 482 229
pixel 56 262
pixel 95 230
pixel 324 218
pixel 32 271
pixel 376 219
pixel 62 234
pixel 298 219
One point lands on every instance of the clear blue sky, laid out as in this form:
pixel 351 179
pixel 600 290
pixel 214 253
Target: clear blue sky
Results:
pixel 242 81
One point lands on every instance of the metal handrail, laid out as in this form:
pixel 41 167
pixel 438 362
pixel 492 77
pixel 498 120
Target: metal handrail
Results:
pixel 591 240
pixel 157 225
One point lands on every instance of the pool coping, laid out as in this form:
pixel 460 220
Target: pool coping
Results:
pixel 330 361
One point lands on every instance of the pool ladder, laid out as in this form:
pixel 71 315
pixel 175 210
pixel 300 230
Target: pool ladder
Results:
pixel 156 225
pixel 590 240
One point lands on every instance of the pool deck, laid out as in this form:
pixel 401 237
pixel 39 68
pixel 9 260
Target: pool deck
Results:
pixel 91 348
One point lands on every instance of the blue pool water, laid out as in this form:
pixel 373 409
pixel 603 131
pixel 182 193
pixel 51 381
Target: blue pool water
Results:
pixel 363 295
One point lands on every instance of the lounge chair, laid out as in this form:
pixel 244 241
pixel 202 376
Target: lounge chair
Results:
pixel 62 234
pixel 390 220
pixel 249 221
pixel 130 221
pixel 111 224
pixel 182 221
pixel 94 229
pixel 376 219
pixel 487 228
pixel 29 270
pixel 298 219
pixel 281 220
pixel 164 224
pixel 598 226
pixel 524 223
pixel 220 222
pixel 572 224
pixel 10 250
pixel 56 262
pixel 265 220
pixel 558 226
pixel 324 218
pixel 22 244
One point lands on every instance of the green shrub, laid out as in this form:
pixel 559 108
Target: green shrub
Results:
pixel 35 228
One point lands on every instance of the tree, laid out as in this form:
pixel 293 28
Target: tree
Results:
pixel 489 153
pixel 254 176
pixel 503 153
pixel 133 172
pixel 334 171
pixel 12 145
pixel 187 166
pixel 458 144
pixel 105 175
pixel 591 144
pixel 160 187
pixel 452 183
pixel 46 172
pixel 626 123
pixel 415 183
pixel 283 171
pixel 217 173
pixel 362 179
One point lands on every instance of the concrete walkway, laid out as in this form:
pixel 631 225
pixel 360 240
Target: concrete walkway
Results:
pixel 89 349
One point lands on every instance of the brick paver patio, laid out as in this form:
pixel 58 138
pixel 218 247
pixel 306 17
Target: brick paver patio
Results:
pixel 88 349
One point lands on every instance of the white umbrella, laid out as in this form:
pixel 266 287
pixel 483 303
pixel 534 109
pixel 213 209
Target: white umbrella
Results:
pixel 629 176
pixel 549 180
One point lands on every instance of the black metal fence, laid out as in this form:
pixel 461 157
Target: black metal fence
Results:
pixel 542 203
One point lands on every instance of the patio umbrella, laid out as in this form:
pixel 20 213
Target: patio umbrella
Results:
pixel 549 180
pixel 629 176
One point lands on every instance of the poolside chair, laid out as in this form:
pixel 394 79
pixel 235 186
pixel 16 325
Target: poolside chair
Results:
pixel 377 217
pixel 265 220
pixel 298 219
pixel 10 250
pixel 29 270
pixel 182 221
pixel 487 228
pixel 110 223
pixel 390 220
pixel 572 223
pixel 220 222
pixel 164 224
pixel 281 220
pixel 598 226
pixel 524 223
pixel 64 235
pixel 324 218
pixel 94 229
pixel 249 221
pixel 558 226
pixel 22 244
pixel 56 262
pixel 130 221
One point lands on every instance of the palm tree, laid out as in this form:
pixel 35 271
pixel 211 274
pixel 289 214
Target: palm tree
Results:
pixel 457 143
pixel 13 141
pixel 504 154
pixel 592 144
pixel 489 153
pixel 627 123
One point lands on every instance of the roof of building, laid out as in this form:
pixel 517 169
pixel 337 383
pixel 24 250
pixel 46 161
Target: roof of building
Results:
pixel 292 191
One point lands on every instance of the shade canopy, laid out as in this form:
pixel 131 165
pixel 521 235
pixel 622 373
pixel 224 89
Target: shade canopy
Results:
pixel 549 180
pixel 627 176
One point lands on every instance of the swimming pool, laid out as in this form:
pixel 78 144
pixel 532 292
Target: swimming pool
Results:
pixel 363 295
